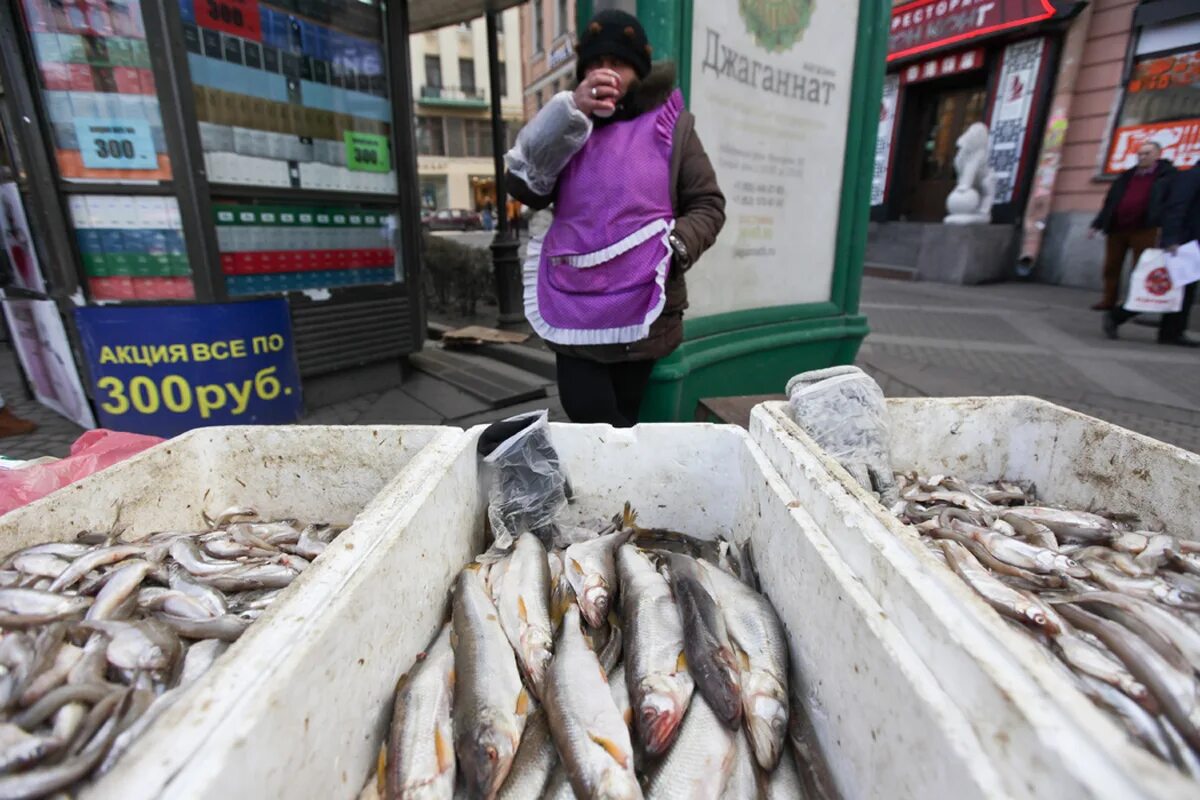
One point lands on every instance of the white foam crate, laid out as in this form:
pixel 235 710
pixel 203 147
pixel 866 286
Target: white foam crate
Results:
pixel 1044 736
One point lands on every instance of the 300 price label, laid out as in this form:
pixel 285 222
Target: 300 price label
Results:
pixel 115 144
pixel 240 17
pixel 367 152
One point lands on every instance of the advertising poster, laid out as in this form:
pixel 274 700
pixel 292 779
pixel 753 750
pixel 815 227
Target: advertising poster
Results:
pixel 37 329
pixel 770 88
pixel 166 370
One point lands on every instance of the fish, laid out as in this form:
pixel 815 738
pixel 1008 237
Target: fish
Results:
pixel 187 554
pixel 65 658
pixel 1075 526
pixel 590 567
pixel 1088 659
pixel 709 654
pixel 535 760
pixel 1137 721
pixel 25 608
pixel 118 588
pixel 760 646
pixel 1031 530
pixel 142 645
pixel 1021 554
pixel 420 749
pixel 589 731
pixel 1151 588
pixel 523 600
pixel 19 748
pixel 1005 599
pixel 45 565
pixel 84 564
pixel 784 783
pixel 618 687
pixel 1174 690
pixel 699 763
pixel 1183 637
pixel 490 702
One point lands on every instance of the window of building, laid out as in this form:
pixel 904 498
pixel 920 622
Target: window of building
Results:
pixel 536 28
pixel 1161 104
pixel 466 76
pixel 433 71
pixel 564 17
pixel 479 138
pixel 431 138
pixel 503 80
pixel 540 102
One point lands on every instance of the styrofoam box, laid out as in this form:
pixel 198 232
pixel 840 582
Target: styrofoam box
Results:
pixel 310 725
pixel 328 474
pixel 1045 737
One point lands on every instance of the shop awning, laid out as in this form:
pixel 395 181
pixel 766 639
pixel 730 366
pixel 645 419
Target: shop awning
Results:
pixel 425 15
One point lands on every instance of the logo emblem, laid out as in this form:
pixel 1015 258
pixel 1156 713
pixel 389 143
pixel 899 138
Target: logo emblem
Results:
pixel 776 25
pixel 1158 282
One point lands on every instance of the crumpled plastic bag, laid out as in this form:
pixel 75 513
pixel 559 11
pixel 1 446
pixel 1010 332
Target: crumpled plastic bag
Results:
pixel 527 485
pixel 844 411
pixel 93 451
pixel 548 142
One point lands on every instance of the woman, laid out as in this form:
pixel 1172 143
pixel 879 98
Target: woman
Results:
pixel 636 203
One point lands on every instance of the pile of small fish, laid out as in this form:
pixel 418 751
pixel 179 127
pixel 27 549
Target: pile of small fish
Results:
pixel 1115 604
pixel 99 636
pixel 634 664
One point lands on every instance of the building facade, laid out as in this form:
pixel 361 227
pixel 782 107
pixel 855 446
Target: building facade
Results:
pixel 1068 91
pixel 452 95
pixel 548 38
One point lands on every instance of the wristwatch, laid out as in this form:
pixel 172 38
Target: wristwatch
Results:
pixel 679 247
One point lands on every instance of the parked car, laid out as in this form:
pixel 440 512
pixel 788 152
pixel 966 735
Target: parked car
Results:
pixel 453 219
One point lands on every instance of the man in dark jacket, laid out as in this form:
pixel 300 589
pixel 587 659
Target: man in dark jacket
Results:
pixel 1131 215
pixel 1180 225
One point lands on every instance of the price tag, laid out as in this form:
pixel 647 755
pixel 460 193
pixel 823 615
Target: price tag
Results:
pixel 367 152
pixel 115 143
pixel 239 17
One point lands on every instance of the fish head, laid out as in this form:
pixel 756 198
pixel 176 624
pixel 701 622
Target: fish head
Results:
pixel 595 600
pixel 766 716
pixel 486 755
pixel 1071 567
pixel 661 701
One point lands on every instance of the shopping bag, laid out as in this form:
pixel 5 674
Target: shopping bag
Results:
pixel 1151 288
pixel 1185 264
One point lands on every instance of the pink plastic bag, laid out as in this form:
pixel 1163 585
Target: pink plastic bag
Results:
pixel 91 452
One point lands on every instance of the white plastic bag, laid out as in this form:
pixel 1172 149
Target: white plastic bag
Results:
pixel 548 143
pixel 1151 287
pixel 843 410
pixel 526 482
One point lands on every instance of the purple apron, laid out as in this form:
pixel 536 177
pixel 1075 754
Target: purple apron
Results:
pixel 601 272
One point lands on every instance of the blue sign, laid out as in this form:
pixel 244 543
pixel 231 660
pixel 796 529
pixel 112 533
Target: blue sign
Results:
pixel 115 143
pixel 163 370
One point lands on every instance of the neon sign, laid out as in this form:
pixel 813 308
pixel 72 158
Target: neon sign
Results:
pixel 928 24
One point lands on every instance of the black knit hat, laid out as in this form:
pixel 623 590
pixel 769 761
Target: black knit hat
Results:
pixel 618 34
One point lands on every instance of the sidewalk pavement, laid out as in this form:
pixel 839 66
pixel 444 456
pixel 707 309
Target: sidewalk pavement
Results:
pixel 939 340
pixel 927 339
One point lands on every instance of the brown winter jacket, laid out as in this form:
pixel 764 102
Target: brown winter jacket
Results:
pixel 699 209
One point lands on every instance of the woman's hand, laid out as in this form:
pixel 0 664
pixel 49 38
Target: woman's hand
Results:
pixel 599 91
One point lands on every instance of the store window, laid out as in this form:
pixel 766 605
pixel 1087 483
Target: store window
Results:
pixel 536 29
pixel 466 76
pixel 431 139
pixel 1161 102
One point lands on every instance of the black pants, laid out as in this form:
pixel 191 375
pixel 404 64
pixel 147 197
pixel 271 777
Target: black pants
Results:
pixel 1173 326
pixel 595 392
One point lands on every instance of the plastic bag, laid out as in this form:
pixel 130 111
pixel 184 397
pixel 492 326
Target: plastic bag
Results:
pixel 548 143
pixel 526 483
pixel 843 410
pixel 91 452
pixel 1151 287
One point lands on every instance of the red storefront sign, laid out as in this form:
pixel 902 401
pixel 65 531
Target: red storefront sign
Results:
pixel 941 66
pixel 927 24
pixel 1179 140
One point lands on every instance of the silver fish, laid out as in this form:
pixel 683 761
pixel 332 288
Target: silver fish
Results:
pixel 420 754
pixel 490 704
pixel 1151 588
pixel 252 576
pixel 523 600
pixel 45 565
pixel 589 732
pixel 118 588
pixel 206 596
pixel 1183 637
pixel 175 603
pixel 225 627
pixel 1021 554
pixel 94 560
pixel 591 569
pixel 1000 596
pixel 1077 526
pixel 19 748
pixel 142 645
pixel 65 659
pixel 784 783
pixel 762 653
pixel 21 608
pixel 618 687
pixel 698 764
pixel 1081 655
pixel 710 657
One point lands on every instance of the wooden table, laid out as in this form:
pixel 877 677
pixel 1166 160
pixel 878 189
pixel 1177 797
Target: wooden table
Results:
pixel 733 410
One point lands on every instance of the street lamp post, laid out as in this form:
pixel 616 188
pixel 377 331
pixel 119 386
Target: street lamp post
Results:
pixel 506 264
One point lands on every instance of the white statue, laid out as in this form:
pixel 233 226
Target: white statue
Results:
pixel 971 201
